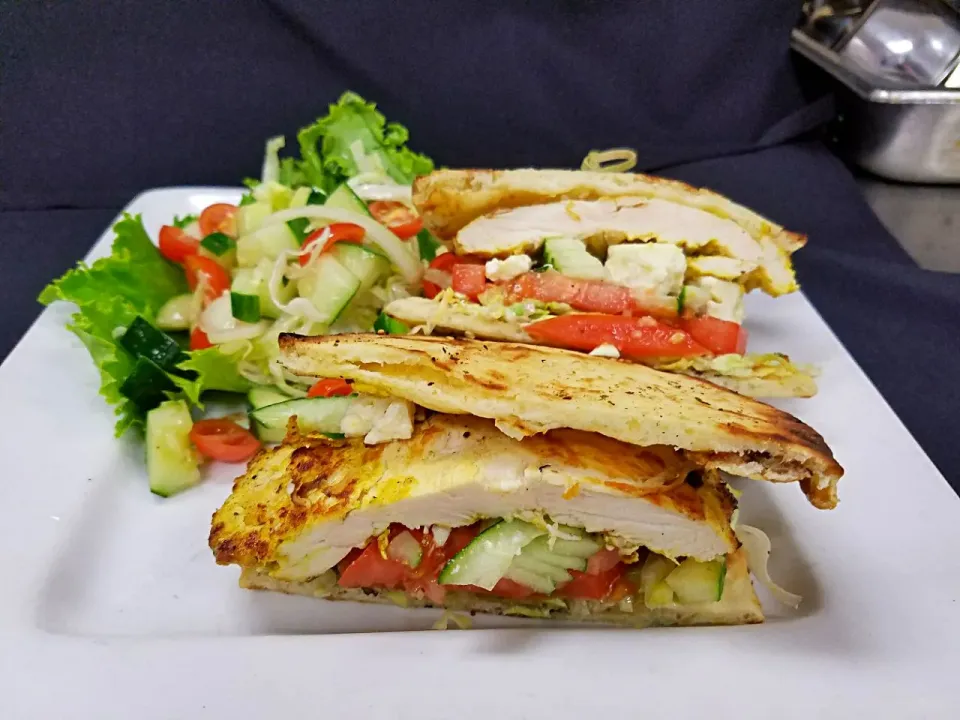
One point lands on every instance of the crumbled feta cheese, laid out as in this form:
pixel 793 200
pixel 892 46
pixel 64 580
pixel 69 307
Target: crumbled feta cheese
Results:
pixel 726 298
pixel 605 350
pixel 503 270
pixel 656 267
pixel 378 420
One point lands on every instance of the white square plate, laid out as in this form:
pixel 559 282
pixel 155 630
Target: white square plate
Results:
pixel 112 606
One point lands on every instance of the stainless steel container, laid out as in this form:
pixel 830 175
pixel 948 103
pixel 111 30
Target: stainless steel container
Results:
pixel 899 115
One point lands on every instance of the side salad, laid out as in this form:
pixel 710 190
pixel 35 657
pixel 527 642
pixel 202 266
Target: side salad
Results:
pixel 317 245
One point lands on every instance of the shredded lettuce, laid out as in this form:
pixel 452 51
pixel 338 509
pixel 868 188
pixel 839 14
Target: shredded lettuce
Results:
pixel 354 138
pixel 135 280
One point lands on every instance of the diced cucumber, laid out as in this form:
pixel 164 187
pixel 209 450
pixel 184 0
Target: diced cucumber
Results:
pixel 313 414
pixel 176 313
pixel 256 281
pixel 655 569
pixel 244 307
pixel 390 325
pixel 329 287
pixel 218 243
pixel 142 339
pixel 428 245
pixel 345 198
pixel 659 595
pixel 265 243
pixel 570 256
pixel 367 264
pixel 172 463
pixel 261 396
pixel 405 548
pixel 147 385
pixel 698 582
pixel 488 557
pixel 300 227
pixel 301 196
pixel 250 217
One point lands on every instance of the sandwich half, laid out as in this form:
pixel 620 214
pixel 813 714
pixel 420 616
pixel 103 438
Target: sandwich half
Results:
pixel 567 524
pixel 645 268
pixel 510 479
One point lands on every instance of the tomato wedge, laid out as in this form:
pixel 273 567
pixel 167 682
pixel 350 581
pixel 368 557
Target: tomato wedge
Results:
pixel 370 569
pixel 223 439
pixel 339 232
pixel 431 290
pixel 328 387
pixel 602 560
pixel 591 295
pixel 470 280
pixel 401 220
pixel 219 217
pixel 592 587
pixel 636 338
pixel 177 245
pixel 215 278
pixel 446 261
pixel 718 336
pixel 199 340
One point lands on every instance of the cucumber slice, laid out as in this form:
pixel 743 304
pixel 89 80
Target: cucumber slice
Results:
pixel 532 580
pixel 218 243
pixel 659 595
pixel 266 243
pixel 172 463
pixel 542 567
pixel 262 396
pixel 176 313
pixel 570 257
pixel 250 217
pixel 698 582
pixel 345 198
pixel 390 325
pixel 330 287
pixel 313 414
pixel 364 262
pixel 545 571
pixel 488 557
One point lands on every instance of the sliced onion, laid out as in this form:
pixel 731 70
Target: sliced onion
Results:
pixel 440 534
pixel 756 545
pixel 271 159
pixel 382 191
pixel 438 277
pixel 298 306
pixel 402 255
pixel 218 322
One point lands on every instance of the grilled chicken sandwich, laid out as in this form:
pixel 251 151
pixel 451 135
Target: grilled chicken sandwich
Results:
pixel 628 265
pixel 515 480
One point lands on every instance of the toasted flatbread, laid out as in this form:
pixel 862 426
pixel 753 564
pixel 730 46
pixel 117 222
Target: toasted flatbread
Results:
pixel 527 389
pixel 770 376
pixel 737 606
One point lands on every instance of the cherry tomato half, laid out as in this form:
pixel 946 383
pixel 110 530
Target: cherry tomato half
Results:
pixel 328 387
pixel 177 245
pixel 213 275
pixel 223 439
pixel 219 217
pixel 339 232
pixel 401 220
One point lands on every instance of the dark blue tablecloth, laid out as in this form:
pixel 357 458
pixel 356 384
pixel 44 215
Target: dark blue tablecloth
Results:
pixel 101 100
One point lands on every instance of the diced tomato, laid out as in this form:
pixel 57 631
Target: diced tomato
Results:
pixel 592 587
pixel 219 217
pixel 636 338
pixel 718 336
pixel 459 538
pixel 199 340
pixel 469 280
pixel 401 220
pixel 370 569
pixel 431 290
pixel 214 276
pixel 339 232
pixel 602 560
pixel 177 245
pixel 591 295
pixel 328 387
pixel 445 261
pixel 224 440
